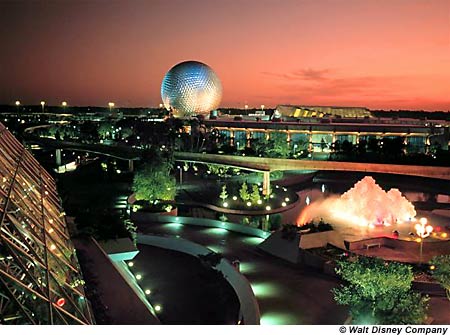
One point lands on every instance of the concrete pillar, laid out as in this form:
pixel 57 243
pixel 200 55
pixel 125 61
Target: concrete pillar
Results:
pixel 310 143
pixel 248 137
pixel 266 183
pixel 267 135
pixel 231 137
pixel 130 165
pixel 58 157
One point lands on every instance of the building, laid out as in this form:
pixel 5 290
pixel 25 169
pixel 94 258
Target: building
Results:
pixel 40 278
pixel 319 126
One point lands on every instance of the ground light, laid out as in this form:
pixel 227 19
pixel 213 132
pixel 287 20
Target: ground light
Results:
pixel 130 264
pixel 265 290
pixel 174 225
pixel 273 318
pixel 246 267
pixel 147 291
pixel 158 308
pixel 138 277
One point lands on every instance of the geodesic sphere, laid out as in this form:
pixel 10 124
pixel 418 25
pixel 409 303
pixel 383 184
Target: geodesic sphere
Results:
pixel 191 88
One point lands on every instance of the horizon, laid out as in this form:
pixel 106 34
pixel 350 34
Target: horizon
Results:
pixel 394 56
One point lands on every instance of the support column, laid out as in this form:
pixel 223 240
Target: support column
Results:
pixel 310 143
pixel 266 183
pixel 58 157
pixel 130 165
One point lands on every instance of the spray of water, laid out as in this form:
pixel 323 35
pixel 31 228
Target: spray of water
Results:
pixel 365 204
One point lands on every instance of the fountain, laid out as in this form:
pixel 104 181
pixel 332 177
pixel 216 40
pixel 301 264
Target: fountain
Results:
pixel 366 204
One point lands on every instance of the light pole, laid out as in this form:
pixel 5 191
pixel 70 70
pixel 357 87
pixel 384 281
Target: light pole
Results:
pixel 423 230
pixel 181 174
pixel 111 106
pixel 43 106
pixel 246 108
pixel 17 105
pixel 64 105
pixel 262 107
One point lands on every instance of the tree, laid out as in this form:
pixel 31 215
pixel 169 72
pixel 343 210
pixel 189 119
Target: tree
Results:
pixel 379 292
pixel 224 195
pixel 442 272
pixel 243 192
pixel 255 196
pixel 154 182
pixel 277 146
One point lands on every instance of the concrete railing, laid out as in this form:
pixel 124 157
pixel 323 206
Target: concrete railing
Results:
pixel 247 300
pixel 142 217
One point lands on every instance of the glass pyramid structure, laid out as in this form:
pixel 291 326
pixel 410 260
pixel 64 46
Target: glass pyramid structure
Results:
pixel 40 278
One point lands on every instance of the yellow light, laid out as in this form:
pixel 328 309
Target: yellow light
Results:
pixel 283 204
pixel 418 240
pixel 17 103
pixel 42 103
pixel 259 201
pixel 225 204
pixel 444 235
pixel 286 199
pixel 147 291
pixel 50 230
pixel 158 308
pixel 111 104
pixel 64 103
pixel 249 203
pixel 268 208
pixel 432 267
pixel 423 221
pixel 52 247
pixel 130 264
pixel 138 277
pixel 234 198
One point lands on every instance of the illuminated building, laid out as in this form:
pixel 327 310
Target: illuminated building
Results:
pixel 40 279
pixel 191 88
pixel 326 125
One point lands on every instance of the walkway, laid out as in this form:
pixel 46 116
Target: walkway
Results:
pixel 277 164
pixel 287 294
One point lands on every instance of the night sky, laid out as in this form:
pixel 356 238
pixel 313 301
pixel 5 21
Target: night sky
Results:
pixel 385 54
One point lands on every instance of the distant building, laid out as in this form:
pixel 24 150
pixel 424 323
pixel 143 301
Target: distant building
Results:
pixel 40 278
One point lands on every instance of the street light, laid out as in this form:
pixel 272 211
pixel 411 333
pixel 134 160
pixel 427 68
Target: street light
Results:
pixel 111 105
pixel 262 107
pixel 64 104
pixel 43 106
pixel 17 103
pixel 423 231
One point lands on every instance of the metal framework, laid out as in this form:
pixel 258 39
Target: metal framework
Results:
pixel 40 278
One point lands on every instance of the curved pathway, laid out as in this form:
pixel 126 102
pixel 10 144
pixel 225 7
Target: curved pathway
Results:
pixel 287 294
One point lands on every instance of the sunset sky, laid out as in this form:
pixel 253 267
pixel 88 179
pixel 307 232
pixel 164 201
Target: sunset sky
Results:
pixel 382 54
